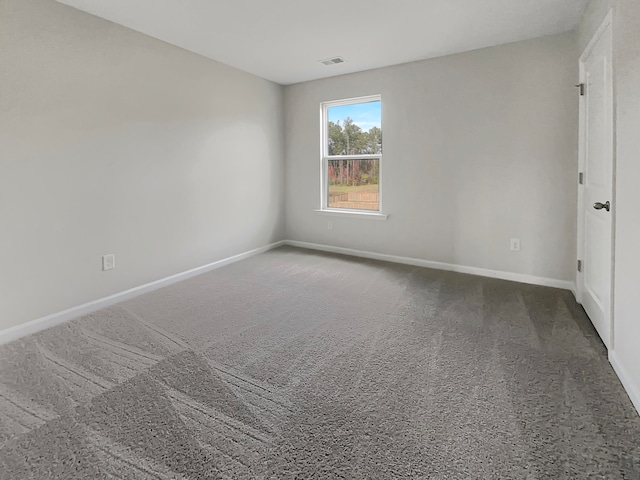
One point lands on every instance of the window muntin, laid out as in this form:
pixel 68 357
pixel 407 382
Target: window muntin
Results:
pixel 352 154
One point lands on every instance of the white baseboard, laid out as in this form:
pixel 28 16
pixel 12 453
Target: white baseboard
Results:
pixel 34 326
pixel 627 382
pixel 483 272
pixel 18 331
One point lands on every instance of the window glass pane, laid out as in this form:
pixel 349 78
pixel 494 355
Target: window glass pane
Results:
pixel 353 184
pixel 355 129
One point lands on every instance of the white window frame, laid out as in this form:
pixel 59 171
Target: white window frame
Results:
pixel 325 157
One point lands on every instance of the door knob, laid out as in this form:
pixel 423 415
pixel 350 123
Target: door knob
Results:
pixel 600 206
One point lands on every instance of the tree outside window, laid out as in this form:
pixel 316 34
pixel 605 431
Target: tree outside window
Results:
pixel 352 154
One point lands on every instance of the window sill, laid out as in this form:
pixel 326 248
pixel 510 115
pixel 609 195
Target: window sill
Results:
pixel 353 214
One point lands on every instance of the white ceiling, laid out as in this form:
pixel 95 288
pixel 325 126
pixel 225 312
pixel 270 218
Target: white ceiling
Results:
pixel 282 40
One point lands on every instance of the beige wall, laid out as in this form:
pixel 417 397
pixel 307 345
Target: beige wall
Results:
pixel 626 70
pixel 113 142
pixel 479 147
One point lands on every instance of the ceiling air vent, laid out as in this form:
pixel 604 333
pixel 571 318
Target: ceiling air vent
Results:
pixel 333 61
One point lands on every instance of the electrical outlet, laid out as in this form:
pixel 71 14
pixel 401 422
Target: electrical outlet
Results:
pixel 108 262
pixel 515 244
pixel 329 225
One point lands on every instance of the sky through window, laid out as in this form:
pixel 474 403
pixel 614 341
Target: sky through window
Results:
pixel 364 115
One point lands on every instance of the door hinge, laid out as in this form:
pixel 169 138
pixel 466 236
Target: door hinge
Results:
pixel 581 178
pixel 581 87
pixel 579 265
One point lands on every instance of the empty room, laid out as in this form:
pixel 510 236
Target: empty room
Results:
pixel 288 239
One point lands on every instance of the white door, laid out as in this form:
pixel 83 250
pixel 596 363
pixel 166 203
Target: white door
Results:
pixel 595 201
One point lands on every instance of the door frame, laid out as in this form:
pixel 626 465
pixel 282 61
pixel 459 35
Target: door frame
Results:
pixel 607 24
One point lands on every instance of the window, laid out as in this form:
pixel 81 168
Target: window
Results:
pixel 352 154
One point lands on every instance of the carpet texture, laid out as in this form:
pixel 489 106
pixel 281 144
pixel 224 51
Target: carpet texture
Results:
pixel 294 364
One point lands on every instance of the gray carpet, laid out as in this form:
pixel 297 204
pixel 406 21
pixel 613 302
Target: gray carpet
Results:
pixel 295 364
